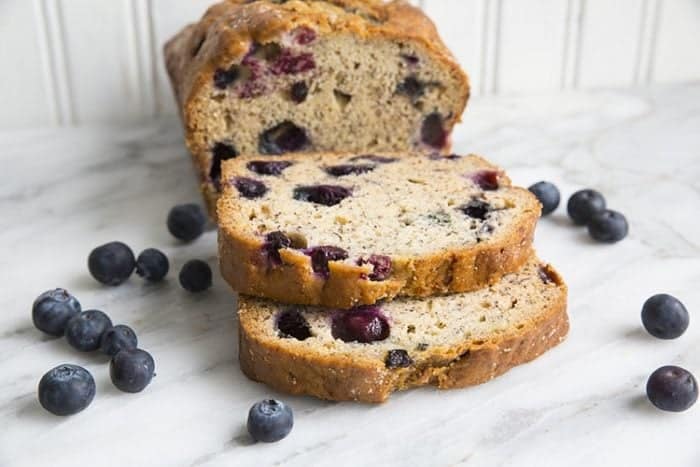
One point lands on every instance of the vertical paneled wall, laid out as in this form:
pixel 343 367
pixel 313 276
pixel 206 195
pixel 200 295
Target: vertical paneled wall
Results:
pixel 71 62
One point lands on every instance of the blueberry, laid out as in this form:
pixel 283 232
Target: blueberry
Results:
pixel 249 187
pixel 66 389
pixel 84 330
pixel 186 222
pixel 487 180
pixel 152 265
pixel 119 337
pixel 321 255
pixel 111 263
pixel 608 226
pixel 373 158
pixel 219 153
pixel 397 358
pixel 363 324
pixel 411 87
pixel 268 167
pixel 348 169
pixel 672 388
pixel 326 195
pixel 665 317
pixel 410 59
pixel 547 194
pixel 583 205
pixel 285 137
pixel 432 132
pixel 289 63
pixel 476 209
pixel 381 264
pixel 131 370
pixel 274 242
pixel 195 276
pixel 291 323
pixel 304 35
pixel 52 310
pixel 270 421
pixel 299 91
pixel 224 78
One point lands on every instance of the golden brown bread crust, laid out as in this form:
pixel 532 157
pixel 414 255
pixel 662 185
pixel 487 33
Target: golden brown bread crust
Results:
pixel 340 378
pixel 224 34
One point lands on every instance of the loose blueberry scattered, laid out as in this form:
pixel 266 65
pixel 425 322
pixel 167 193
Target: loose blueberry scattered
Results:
pixel 111 263
pixel 487 180
pixel 326 195
pixel 219 153
pixel 66 389
pixel 84 331
pixel 186 222
pixel 665 317
pixel 195 276
pixel 249 187
pixel 381 264
pixel 397 358
pixel 374 158
pixel 672 388
pixel 548 195
pixel 274 242
pixel 224 78
pixel 299 91
pixel 131 370
pixel 363 324
pixel 476 209
pixel 608 226
pixel 268 167
pixel 270 421
pixel 584 204
pixel 291 323
pixel 321 255
pixel 349 169
pixel 433 133
pixel 53 309
pixel 285 137
pixel 117 338
pixel 152 265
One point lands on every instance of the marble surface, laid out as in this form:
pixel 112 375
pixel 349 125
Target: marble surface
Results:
pixel 583 403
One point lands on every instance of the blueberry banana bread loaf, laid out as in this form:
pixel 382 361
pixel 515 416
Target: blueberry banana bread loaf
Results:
pixel 270 77
pixel 368 352
pixel 340 230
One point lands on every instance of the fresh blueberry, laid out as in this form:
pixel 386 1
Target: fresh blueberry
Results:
pixel 224 78
pixel 583 205
pixel 672 388
pixel 52 310
pixel 285 137
pixel 321 255
pixel 249 187
pixel 397 358
pixel 326 195
pixel 487 180
pixel 608 226
pixel 119 337
pixel 291 323
pixel 547 194
pixel 373 158
pixel 270 421
pixel 274 242
pixel 268 167
pixel 432 132
pixel 299 91
pixel 195 276
pixel 348 169
pixel 665 317
pixel 219 153
pixel 66 389
pixel 131 370
pixel 186 222
pixel 84 331
pixel 382 267
pixel 111 263
pixel 152 265
pixel 363 324
pixel 476 209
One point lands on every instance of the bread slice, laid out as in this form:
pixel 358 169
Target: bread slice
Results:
pixel 449 341
pixel 266 77
pixel 341 230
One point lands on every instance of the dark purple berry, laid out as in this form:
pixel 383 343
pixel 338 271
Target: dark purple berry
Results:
pixel 299 91
pixel 548 196
pixel 304 35
pixel 53 309
pixel 321 255
pixel 268 167
pixel 66 389
pixel 219 153
pixel 382 267
pixel 411 87
pixel 131 370
pixel 291 323
pixel 326 195
pixel 432 132
pixel 84 331
pixel 270 421
pixel 410 59
pixel 584 204
pixel 397 358
pixel 111 263
pixel 186 222
pixel 287 63
pixel 608 226
pixel 285 137
pixel 672 388
pixel 487 180
pixel 349 169
pixel 195 276
pixel 118 338
pixel 224 78
pixel 274 242
pixel 373 158
pixel 152 265
pixel 665 317
pixel 249 187
pixel 362 324
pixel 476 209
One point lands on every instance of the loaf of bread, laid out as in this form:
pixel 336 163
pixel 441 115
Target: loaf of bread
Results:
pixel 271 77
pixel 341 230
pixel 366 353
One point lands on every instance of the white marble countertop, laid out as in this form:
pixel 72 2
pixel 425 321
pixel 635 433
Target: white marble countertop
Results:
pixel 582 404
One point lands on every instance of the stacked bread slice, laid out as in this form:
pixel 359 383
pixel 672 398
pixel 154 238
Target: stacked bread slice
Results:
pixel 368 259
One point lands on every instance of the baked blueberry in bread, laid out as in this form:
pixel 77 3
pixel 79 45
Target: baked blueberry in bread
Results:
pixel 271 77
pixel 366 353
pixel 341 230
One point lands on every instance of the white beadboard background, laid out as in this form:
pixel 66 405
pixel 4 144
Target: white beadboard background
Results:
pixel 71 62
